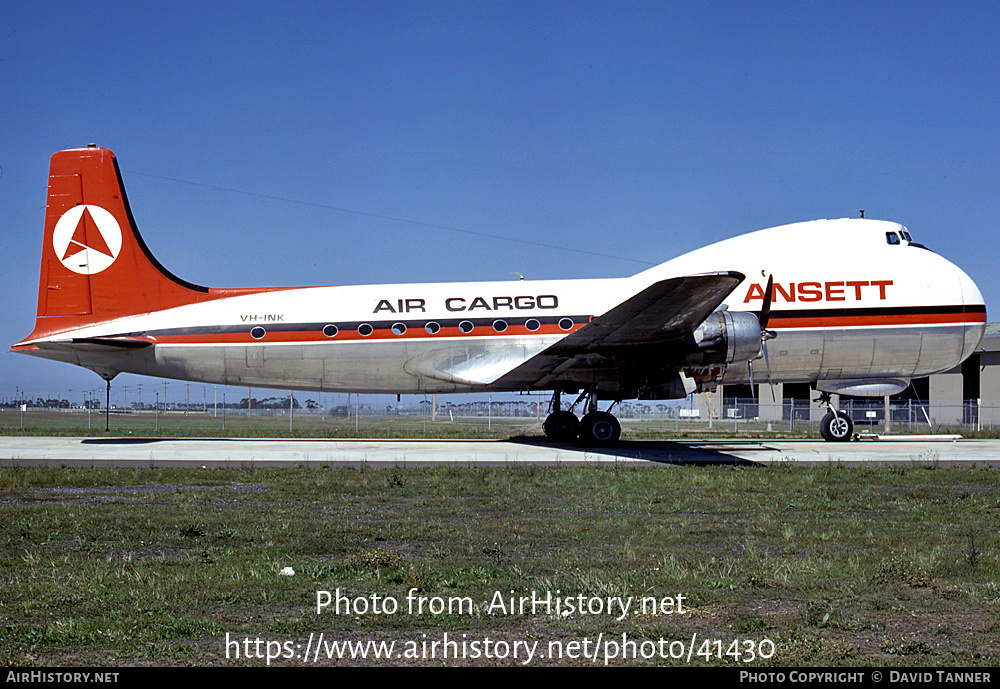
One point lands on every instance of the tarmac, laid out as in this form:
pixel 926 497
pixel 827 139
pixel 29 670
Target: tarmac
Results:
pixel 230 452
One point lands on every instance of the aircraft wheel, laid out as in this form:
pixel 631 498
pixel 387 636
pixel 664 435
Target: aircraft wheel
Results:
pixel 600 428
pixel 561 426
pixel 836 428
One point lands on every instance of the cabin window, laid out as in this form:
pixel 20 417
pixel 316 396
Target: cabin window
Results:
pixel 566 323
pixel 399 328
pixel 257 333
pixel 365 330
pixel 330 330
pixel 432 328
pixel 499 325
pixel 532 324
pixel 891 238
pixel 465 326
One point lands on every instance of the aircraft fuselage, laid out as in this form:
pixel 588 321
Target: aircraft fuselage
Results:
pixel 859 309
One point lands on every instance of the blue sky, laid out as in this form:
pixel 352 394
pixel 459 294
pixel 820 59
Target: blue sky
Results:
pixel 616 134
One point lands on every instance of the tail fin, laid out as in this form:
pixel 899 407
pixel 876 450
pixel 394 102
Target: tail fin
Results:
pixel 95 265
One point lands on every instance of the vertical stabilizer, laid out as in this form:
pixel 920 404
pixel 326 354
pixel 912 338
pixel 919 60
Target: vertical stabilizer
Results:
pixel 95 265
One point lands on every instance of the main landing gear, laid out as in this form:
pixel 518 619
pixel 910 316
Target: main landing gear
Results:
pixel 596 428
pixel 836 426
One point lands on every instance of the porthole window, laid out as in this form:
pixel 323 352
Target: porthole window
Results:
pixel 365 330
pixel 330 330
pixel 566 323
pixel 432 328
pixel 399 328
pixel 499 325
pixel 257 333
pixel 465 326
pixel 532 324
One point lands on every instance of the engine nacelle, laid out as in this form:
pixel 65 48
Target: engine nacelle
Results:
pixel 729 336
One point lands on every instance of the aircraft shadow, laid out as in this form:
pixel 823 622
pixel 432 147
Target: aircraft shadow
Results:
pixel 119 441
pixel 658 451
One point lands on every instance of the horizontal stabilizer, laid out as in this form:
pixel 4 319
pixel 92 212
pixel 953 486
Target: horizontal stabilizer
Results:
pixel 95 344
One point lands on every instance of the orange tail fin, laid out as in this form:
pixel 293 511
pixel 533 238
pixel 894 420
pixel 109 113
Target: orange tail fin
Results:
pixel 95 265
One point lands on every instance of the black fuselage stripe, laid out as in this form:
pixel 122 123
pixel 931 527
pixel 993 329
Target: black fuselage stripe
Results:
pixel 879 311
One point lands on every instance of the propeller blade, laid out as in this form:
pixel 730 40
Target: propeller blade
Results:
pixel 765 311
pixel 765 334
pixel 767 363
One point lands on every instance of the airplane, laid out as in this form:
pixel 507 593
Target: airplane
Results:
pixel 852 306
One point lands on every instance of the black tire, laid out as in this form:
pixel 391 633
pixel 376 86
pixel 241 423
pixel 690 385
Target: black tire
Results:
pixel 600 428
pixel 836 429
pixel 561 426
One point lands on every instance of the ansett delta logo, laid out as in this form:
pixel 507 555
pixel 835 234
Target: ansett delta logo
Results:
pixel 87 239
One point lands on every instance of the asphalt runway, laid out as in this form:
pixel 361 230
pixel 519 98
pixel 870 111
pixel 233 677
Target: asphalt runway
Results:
pixel 214 452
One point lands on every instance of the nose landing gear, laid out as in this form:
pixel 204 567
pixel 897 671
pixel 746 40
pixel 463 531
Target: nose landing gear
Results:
pixel 836 426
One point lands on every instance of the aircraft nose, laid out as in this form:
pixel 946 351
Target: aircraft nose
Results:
pixel 974 308
pixel 971 296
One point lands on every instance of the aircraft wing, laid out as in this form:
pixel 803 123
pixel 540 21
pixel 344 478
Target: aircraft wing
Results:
pixel 665 313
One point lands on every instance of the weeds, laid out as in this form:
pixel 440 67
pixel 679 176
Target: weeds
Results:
pixel 148 565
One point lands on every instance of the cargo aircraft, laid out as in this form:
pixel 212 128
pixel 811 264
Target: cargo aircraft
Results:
pixel 851 306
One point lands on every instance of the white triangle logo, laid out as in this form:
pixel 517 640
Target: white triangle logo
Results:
pixel 87 239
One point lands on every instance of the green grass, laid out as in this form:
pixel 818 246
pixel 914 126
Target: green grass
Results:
pixel 835 565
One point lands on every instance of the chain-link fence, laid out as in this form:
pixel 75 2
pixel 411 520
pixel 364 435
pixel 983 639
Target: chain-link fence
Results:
pixel 302 414
pixel 295 414
pixel 804 416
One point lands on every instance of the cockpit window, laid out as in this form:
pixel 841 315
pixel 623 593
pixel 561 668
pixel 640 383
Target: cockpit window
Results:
pixel 905 235
pixel 892 238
